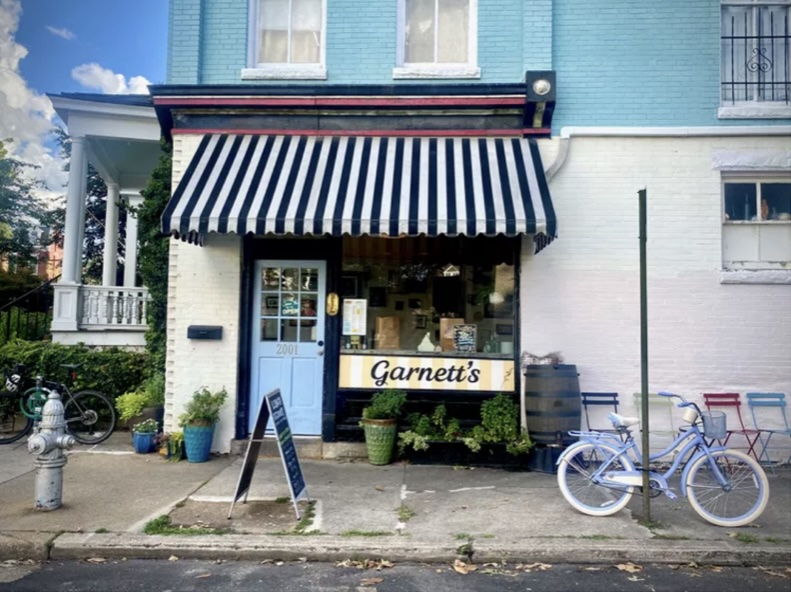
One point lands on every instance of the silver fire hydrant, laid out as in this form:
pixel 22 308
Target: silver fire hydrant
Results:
pixel 48 443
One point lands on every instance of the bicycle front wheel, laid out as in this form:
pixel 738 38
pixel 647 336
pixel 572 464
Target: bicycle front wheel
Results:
pixel 576 480
pixel 740 500
pixel 13 423
pixel 90 417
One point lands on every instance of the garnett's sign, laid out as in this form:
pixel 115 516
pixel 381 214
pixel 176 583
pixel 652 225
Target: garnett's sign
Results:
pixel 435 373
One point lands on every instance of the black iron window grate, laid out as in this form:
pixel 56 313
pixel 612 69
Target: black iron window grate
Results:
pixel 756 53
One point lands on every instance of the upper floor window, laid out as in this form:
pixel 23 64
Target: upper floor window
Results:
pixel 437 38
pixel 757 222
pixel 755 58
pixel 287 39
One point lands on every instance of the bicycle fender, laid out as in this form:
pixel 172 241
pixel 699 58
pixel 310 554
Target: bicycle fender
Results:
pixel 691 461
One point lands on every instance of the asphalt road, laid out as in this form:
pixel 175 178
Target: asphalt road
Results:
pixel 187 576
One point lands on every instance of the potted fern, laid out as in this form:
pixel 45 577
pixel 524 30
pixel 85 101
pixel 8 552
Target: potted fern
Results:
pixel 379 421
pixel 199 420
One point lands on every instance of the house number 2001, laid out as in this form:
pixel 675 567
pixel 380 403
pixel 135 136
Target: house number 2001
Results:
pixel 287 349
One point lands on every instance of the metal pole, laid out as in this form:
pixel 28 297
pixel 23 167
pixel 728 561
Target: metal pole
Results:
pixel 642 194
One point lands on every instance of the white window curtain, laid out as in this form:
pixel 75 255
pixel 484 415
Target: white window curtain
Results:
pixel 290 31
pixel 436 31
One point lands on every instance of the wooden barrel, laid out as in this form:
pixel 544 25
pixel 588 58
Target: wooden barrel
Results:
pixel 552 403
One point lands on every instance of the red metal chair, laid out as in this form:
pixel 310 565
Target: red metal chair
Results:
pixel 723 401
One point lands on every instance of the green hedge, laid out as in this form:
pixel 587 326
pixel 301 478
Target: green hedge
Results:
pixel 112 371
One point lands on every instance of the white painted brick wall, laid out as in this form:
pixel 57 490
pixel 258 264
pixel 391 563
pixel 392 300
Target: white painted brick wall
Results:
pixel 581 295
pixel 204 284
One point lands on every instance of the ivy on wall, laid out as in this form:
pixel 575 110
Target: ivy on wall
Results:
pixel 153 256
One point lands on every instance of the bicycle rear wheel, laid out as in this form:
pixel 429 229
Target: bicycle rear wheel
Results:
pixel 575 478
pixel 13 423
pixel 90 417
pixel 740 501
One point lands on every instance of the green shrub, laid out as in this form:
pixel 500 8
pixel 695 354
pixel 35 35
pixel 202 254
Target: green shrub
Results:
pixel 112 370
pixel 385 405
pixel 203 408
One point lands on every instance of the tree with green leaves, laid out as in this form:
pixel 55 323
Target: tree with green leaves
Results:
pixel 22 214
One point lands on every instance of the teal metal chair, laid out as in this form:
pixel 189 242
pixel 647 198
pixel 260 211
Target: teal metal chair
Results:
pixel 766 407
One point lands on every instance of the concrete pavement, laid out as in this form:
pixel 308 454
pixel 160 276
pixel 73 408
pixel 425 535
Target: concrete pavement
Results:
pixel 400 512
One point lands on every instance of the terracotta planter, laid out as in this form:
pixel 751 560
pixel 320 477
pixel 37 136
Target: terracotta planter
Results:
pixel 380 437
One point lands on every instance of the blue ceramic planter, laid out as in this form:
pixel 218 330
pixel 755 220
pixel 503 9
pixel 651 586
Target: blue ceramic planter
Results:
pixel 197 442
pixel 143 443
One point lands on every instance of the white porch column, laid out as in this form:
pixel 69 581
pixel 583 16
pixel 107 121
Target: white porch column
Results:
pixel 109 263
pixel 130 265
pixel 72 248
pixel 66 306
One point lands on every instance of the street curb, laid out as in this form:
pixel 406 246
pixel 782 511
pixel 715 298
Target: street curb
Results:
pixel 25 545
pixel 403 549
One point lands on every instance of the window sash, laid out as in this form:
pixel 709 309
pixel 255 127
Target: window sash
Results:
pixel 436 32
pixel 776 192
pixel 755 52
pixel 289 32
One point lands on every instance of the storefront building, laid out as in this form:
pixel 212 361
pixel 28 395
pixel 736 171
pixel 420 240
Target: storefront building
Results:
pixel 373 250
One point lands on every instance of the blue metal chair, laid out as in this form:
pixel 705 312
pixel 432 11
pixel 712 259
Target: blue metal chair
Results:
pixel 769 401
pixel 599 400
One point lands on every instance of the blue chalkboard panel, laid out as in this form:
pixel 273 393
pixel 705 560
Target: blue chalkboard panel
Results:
pixel 285 442
pixel 272 406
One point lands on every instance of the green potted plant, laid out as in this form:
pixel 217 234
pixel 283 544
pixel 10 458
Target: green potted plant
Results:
pixel 144 436
pixel 198 421
pixel 145 402
pixel 379 422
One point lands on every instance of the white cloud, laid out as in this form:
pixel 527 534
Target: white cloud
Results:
pixel 25 115
pixel 96 77
pixel 63 33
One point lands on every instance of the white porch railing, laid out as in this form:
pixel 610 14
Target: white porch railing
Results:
pixel 113 306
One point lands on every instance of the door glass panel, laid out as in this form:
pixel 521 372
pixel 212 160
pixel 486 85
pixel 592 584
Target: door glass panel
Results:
pixel 268 329
pixel 290 279
pixel 307 305
pixel 289 330
pixel 289 306
pixel 270 278
pixel 271 304
pixel 309 280
pixel 307 331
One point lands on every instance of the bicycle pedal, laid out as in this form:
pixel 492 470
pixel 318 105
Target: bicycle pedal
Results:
pixel 671 495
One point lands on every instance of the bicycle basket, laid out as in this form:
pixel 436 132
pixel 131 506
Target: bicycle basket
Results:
pixel 714 424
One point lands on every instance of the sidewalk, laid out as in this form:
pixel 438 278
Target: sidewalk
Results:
pixel 400 512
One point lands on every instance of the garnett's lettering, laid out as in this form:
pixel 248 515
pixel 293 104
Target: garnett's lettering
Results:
pixel 382 373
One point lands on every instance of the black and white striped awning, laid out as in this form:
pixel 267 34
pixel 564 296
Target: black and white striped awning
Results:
pixel 380 186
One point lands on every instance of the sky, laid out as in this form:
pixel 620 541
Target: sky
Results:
pixel 55 46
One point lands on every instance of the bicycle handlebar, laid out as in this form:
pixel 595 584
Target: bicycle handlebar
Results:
pixel 684 402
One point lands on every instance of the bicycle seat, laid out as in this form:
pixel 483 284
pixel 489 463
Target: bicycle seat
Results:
pixel 71 366
pixel 623 421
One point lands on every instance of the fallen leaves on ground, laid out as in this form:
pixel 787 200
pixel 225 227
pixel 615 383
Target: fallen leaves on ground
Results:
pixel 629 567
pixel 773 572
pixel 13 562
pixel 371 581
pixel 528 567
pixel 463 568
pixel 635 579
pixel 206 575
pixel 367 564
pixel 96 560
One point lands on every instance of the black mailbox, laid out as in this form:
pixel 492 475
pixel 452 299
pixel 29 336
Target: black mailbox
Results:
pixel 204 332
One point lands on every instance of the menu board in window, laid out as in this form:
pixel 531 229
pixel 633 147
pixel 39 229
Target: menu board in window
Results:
pixel 355 311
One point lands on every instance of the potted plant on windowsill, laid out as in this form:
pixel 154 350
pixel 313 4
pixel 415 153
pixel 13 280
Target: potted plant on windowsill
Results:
pixel 199 420
pixel 144 436
pixel 379 421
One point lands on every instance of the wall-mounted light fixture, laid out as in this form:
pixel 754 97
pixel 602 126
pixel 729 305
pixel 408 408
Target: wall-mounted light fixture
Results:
pixel 539 102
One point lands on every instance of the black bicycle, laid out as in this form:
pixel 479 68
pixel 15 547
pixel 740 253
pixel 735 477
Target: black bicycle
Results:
pixel 89 414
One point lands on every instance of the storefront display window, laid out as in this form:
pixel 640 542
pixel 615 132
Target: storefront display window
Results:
pixel 439 296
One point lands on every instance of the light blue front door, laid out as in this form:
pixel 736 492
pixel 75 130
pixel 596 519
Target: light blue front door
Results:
pixel 288 340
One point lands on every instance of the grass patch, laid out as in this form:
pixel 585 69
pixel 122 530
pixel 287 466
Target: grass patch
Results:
pixel 101 530
pixel 746 538
pixel 671 537
pixel 462 536
pixel 466 550
pixel 486 536
pixel 282 500
pixel 181 504
pixel 405 513
pixel 600 537
pixel 307 519
pixel 366 533
pixel 163 526
pixel 775 540
pixel 650 524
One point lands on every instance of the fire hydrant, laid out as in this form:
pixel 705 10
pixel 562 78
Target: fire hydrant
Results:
pixel 49 442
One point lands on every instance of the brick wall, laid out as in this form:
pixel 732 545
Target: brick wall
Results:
pixel 204 284
pixel 581 295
